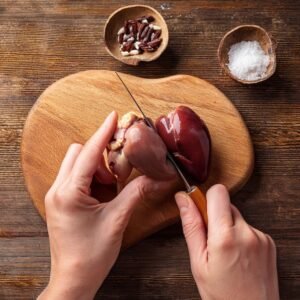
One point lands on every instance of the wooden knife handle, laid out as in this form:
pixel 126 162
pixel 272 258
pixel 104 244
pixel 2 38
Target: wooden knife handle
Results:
pixel 200 200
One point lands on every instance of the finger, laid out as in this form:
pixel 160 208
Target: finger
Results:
pixel 193 225
pixel 67 163
pixel 261 237
pixel 133 193
pixel 90 155
pixel 103 175
pixel 237 216
pixel 265 239
pixel 218 208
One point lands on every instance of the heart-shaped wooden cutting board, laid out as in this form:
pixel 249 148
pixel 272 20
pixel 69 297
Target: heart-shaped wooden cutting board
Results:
pixel 71 109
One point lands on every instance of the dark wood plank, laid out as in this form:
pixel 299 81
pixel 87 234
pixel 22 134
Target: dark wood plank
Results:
pixel 42 41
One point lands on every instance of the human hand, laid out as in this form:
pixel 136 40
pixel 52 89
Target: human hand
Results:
pixel 85 234
pixel 232 260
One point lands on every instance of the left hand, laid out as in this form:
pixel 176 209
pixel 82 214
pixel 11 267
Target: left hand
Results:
pixel 86 235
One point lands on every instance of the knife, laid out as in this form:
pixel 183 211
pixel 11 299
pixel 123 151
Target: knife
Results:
pixel 193 191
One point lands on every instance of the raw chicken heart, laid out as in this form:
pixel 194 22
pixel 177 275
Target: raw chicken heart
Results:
pixel 187 137
pixel 136 145
pixel 146 152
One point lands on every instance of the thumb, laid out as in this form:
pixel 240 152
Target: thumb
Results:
pixel 133 193
pixel 193 226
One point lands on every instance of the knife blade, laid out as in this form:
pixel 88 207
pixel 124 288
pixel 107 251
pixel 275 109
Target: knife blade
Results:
pixel 193 191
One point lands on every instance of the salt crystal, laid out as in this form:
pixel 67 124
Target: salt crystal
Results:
pixel 248 61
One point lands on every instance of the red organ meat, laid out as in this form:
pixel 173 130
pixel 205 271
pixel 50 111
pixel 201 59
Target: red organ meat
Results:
pixel 137 145
pixel 188 139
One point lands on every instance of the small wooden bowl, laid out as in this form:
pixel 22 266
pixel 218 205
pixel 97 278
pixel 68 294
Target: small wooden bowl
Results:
pixel 116 21
pixel 248 33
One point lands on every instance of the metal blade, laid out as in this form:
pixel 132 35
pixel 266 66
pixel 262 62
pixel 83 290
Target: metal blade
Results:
pixel 169 155
pixel 138 106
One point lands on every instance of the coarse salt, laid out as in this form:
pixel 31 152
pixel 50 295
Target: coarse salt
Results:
pixel 248 61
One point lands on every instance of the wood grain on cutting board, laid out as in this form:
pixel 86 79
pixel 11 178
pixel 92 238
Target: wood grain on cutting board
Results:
pixel 71 109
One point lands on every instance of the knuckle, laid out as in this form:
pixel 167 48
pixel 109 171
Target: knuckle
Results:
pixel 251 241
pixel 59 196
pixel 225 242
pixel 63 196
pixel 271 242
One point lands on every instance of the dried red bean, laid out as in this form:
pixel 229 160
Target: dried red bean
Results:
pixel 147 37
pixel 134 28
pixel 126 27
pixel 150 19
pixel 157 34
pixel 128 36
pixel 120 38
pixel 155 43
pixel 150 49
pixel 141 27
pixel 144 33
pixel 127 47
pixel 147 48
pixel 142 44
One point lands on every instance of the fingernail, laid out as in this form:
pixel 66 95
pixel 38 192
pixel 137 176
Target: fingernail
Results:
pixel 109 117
pixel 182 201
pixel 112 114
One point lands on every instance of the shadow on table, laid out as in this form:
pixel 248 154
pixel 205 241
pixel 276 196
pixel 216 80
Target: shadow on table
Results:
pixel 164 66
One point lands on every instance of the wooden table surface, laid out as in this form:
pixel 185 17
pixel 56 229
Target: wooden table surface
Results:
pixel 42 41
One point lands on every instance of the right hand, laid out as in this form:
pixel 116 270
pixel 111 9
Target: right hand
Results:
pixel 232 260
